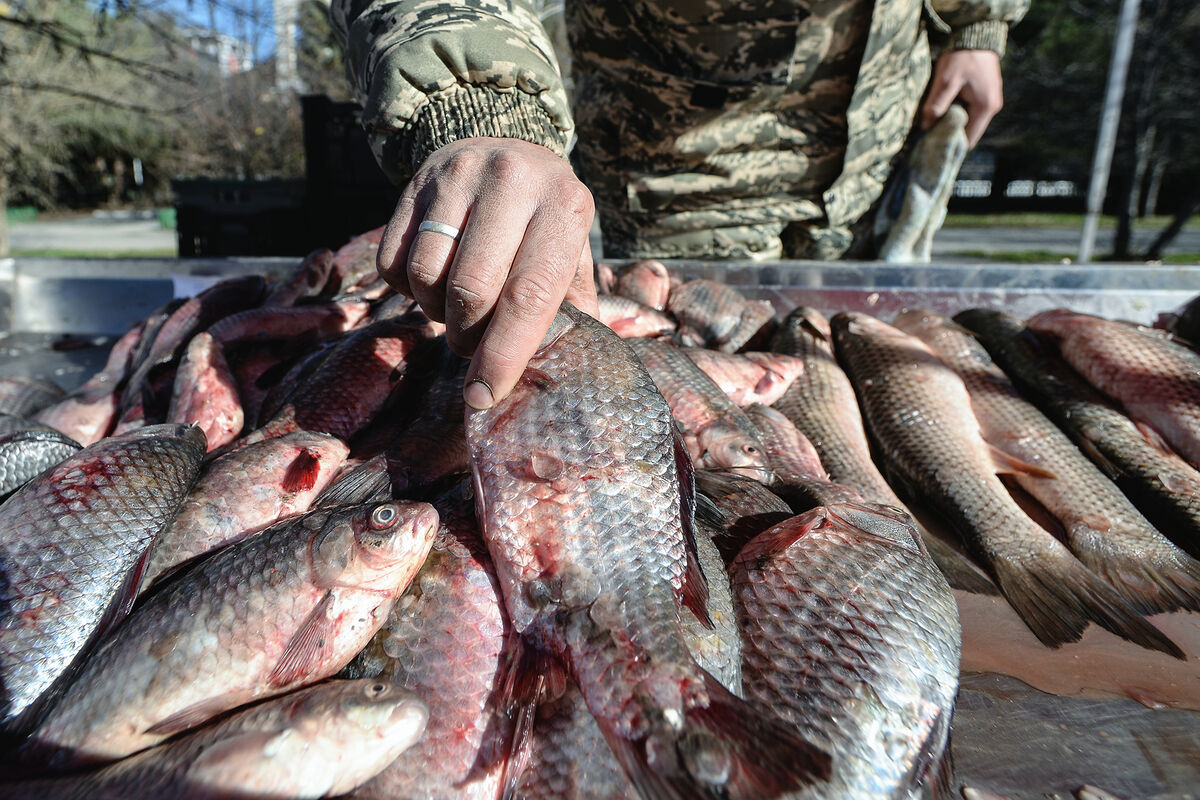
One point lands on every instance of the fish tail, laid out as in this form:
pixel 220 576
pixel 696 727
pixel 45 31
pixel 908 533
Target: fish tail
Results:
pixel 1056 597
pixel 1169 582
pixel 727 749
pixel 961 573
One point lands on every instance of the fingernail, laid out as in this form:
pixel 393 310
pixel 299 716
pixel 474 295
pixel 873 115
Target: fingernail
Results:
pixel 478 395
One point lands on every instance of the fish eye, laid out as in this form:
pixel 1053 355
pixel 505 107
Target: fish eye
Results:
pixel 384 516
pixel 377 689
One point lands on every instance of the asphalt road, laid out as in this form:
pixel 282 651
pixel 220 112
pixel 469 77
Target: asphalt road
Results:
pixel 107 233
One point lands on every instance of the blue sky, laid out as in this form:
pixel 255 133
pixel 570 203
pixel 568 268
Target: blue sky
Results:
pixel 233 17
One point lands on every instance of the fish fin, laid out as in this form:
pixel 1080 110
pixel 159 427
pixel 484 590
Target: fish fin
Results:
pixel 303 652
pixel 1154 438
pixel 1011 465
pixel 207 768
pixel 193 716
pixel 1056 596
pixel 302 473
pixel 933 764
pixel 1098 458
pixel 694 592
pixel 125 597
pixel 960 572
pixel 765 757
pixel 529 675
pixel 1165 580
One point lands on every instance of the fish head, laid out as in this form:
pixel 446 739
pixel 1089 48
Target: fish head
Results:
pixel 728 447
pixel 376 547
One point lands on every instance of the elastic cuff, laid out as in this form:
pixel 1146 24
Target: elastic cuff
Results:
pixel 461 113
pixel 986 35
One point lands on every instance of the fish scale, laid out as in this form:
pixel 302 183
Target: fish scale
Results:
pixel 70 545
pixel 587 538
pixel 281 609
pixel 854 638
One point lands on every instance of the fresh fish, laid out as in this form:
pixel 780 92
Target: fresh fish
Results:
pixel 274 612
pixel 647 282
pixel 86 414
pixel 920 412
pixel 433 447
pixel 355 261
pixel 716 432
pixel 446 640
pixel 192 316
pixel 790 454
pixel 307 280
pixel 748 377
pixel 27 448
pixel 822 405
pixel 746 505
pixel 22 396
pixel 568 758
pixel 300 326
pixel 1157 381
pixel 320 741
pixel 72 549
pixel 1103 529
pixel 629 318
pixel 712 314
pixel 852 636
pixel 350 387
pixel 1186 322
pixel 1165 487
pixel 579 501
pixel 363 482
pixel 205 392
pixel 246 491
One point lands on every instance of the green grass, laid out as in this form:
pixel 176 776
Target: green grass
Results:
pixel 60 253
pixel 1047 257
pixel 1039 220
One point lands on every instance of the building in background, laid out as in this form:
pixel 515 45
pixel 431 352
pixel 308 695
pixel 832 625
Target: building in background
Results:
pixel 230 54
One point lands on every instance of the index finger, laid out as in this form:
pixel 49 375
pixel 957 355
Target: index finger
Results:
pixel 543 272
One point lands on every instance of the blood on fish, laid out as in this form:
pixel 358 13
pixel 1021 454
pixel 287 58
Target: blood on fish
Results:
pixel 303 472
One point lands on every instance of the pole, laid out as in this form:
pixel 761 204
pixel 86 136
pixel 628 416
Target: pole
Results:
pixel 1110 118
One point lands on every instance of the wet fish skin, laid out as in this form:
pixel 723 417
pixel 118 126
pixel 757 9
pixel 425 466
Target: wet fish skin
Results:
pixel 585 532
pixel 27 448
pixel 23 396
pixel 748 506
pixel 205 392
pixel 86 414
pixel 72 545
pixel 854 639
pixel 790 454
pixel 349 388
pixel 355 261
pixel 715 315
pixel 823 406
pixel 1102 527
pixel 246 491
pixel 306 280
pixel 320 741
pixel 1155 380
pixel 304 324
pixel 920 413
pixel 192 316
pixel 277 611
pixel 717 433
pixel 629 318
pixel 446 640
pixel 1165 487
pixel 648 282
pixel 748 377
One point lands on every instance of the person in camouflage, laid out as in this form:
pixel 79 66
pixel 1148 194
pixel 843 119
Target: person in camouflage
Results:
pixel 704 128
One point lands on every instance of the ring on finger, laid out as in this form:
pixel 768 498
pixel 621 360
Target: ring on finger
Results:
pixel 440 227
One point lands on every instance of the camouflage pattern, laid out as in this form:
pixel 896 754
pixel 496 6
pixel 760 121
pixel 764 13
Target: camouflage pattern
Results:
pixel 714 129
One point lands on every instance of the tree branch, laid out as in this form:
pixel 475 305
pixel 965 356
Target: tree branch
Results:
pixel 85 95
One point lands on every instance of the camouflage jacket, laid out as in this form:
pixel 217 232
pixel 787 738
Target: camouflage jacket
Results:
pixel 726 128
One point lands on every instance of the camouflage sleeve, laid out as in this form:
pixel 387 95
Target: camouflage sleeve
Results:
pixel 977 24
pixel 429 72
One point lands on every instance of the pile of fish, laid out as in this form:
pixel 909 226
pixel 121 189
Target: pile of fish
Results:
pixel 267 551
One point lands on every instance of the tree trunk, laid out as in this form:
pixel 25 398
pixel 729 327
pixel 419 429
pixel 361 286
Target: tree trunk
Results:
pixel 3 214
pixel 1156 176
pixel 1143 147
pixel 1190 206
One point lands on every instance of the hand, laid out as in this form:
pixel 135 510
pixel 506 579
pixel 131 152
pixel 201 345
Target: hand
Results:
pixel 973 75
pixel 525 220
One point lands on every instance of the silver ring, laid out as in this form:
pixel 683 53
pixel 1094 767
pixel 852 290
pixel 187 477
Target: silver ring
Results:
pixel 440 227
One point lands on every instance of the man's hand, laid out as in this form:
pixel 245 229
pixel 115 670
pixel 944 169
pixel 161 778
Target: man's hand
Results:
pixel 973 75
pixel 525 220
